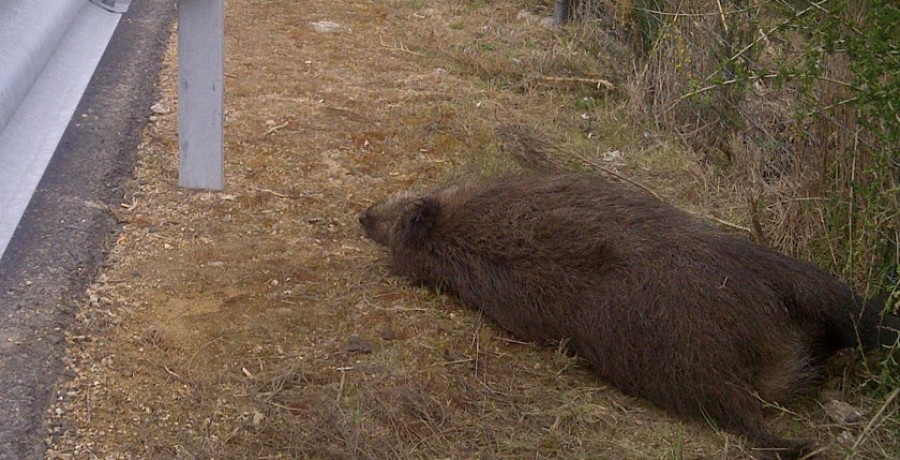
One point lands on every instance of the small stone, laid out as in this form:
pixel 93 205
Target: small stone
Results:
pixel 158 108
pixel 328 27
pixel 357 345
pixel 55 455
pixel 388 333
pixel 842 413
pixel 846 438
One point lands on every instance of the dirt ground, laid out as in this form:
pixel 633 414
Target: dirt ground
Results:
pixel 257 322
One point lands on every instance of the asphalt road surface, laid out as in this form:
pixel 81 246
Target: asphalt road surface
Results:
pixel 61 240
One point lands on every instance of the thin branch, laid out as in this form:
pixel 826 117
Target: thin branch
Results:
pixel 764 35
pixel 870 426
pixel 592 81
pixel 730 225
pixel 700 15
pixel 273 129
pixel 648 190
pixel 280 195
pixel 615 174
pixel 722 15
pixel 752 79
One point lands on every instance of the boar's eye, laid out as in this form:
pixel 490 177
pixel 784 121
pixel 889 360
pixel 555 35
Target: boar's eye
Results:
pixel 365 219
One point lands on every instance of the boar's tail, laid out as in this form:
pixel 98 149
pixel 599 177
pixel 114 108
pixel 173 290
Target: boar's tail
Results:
pixel 876 327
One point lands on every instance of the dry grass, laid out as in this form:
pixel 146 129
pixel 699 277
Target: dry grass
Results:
pixel 731 82
pixel 258 323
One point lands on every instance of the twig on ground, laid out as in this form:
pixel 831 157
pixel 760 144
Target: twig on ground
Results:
pixel 754 219
pixel 615 174
pixel 87 401
pixel 722 15
pixel 477 343
pixel 872 423
pixel 273 129
pixel 401 47
pixel 194 356
pixel 648 190
pixel 592 81
pixel 280 406
pixel 173 373
pixel 340 392
pixel 730 225
pixel 280 195
pixel 405 309
pixel 518 342
pixel 459 361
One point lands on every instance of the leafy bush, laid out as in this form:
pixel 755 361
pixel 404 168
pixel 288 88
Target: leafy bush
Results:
pixel 851 87
pixel 795 102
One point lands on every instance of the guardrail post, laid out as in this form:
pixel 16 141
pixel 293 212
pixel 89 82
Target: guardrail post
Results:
pixel 201 77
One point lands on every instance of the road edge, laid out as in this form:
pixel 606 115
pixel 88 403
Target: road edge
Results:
pixel 61 241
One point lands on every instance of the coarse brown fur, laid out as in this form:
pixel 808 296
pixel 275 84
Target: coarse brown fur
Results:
pixel 660 304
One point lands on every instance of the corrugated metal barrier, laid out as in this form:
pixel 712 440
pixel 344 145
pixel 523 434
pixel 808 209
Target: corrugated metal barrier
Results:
pixel 48 52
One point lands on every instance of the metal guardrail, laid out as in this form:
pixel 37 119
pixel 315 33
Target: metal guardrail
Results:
pixel 50 49
pixel 29 34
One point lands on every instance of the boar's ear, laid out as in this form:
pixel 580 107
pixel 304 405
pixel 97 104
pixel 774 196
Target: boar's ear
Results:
pixel 418 222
